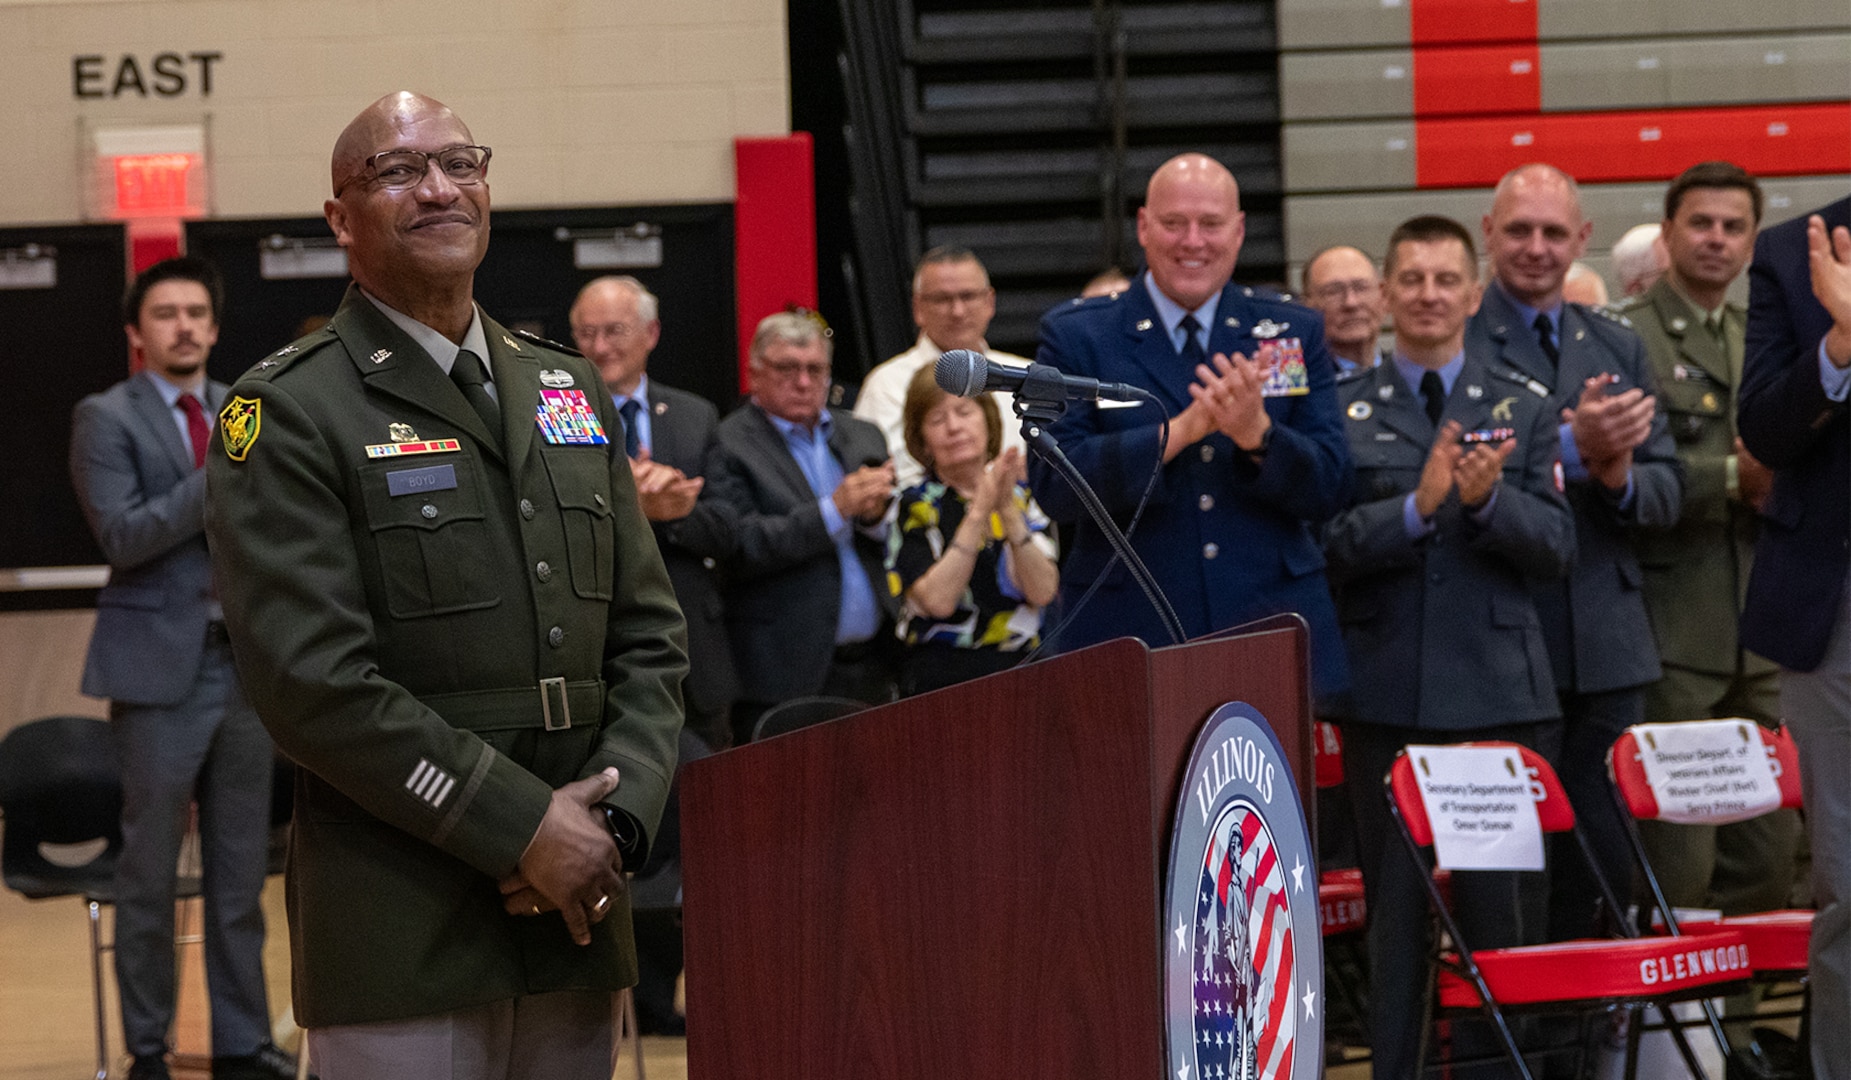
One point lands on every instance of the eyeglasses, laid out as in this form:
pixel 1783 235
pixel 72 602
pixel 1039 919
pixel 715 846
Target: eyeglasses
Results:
pixel 1337 290
pixel 790 370
pixel 396 170
pixel 615 331
pixel 968 298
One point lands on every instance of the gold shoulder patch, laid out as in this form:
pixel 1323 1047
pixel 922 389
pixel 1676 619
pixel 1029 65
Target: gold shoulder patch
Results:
pixel 239 422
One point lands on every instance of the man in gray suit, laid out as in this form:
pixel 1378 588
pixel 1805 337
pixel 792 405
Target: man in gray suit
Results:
pixel 807 488
pixel 183 729
pixel 1622 472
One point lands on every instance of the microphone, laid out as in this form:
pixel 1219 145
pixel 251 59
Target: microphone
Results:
pixel 968 373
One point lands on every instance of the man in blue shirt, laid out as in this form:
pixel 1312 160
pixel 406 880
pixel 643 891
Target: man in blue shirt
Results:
pixel 808 488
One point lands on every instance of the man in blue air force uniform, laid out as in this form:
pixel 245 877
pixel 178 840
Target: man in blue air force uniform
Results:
pixel 1255 453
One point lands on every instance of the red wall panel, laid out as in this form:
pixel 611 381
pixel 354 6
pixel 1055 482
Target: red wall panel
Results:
pixel 1477 79
pixel 1451 22
pixel 774 232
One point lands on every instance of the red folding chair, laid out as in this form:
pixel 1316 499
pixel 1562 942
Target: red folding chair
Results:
pixel 1777 940
pixel 1585 977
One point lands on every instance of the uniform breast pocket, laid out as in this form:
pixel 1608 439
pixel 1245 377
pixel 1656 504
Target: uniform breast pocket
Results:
pixel 582 488
pixel 431 536
pixel 1692 408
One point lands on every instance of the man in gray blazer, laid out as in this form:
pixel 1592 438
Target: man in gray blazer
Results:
pixel 1622 475
pixel 807 488
pixel 182 727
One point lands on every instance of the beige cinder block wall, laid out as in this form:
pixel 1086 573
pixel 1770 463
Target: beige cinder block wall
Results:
pixel 585 102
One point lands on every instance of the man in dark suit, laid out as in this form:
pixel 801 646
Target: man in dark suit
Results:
pixel 182 726
pixel 1432 561
pixel 1251 460
pixel 806 489
pixel 450 611
pixel 667 434
pixel 1622 474
pixel 1792 415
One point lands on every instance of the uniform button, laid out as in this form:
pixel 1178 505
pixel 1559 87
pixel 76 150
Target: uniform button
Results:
pixel 543 570
pixel 1206 502
pixel 429 511
pixel 527 509
pixel 708 563
pixel 556 636
pixel 1208 453
pixel 1209 551
pixel 597 498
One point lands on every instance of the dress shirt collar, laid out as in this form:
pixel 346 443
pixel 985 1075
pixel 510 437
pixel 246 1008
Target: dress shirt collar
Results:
pixel 1172 314
pixel 797 433
pixel 171 394
pixel 1528 314
pixel 440 348
pixel 1411 372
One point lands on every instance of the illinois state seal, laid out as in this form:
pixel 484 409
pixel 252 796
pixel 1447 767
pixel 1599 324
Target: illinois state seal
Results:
pixel 1244 960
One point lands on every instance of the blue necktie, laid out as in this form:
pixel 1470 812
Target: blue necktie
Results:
pixel 632 439
pixel 1192 353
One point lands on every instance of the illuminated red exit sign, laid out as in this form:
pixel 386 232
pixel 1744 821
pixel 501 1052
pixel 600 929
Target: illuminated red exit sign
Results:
pixel 154 185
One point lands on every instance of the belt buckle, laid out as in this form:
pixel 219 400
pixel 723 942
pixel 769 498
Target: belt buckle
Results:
pixel 547 689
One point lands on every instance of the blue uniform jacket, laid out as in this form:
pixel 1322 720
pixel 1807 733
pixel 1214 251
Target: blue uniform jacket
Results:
pixel 1228 541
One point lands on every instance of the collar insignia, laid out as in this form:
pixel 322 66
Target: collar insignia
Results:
pixel 380 356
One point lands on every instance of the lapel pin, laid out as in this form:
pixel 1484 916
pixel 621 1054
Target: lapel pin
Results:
pixel 661 407
pixel 1386 393
pixel 1233 323
pixel 1679 323
pixel 380 356
pixel 1143 324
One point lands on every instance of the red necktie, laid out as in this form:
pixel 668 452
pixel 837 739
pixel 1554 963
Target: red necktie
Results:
pixel 196 429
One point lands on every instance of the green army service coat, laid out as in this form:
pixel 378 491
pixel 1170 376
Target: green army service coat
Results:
pixel 1696 571
pixel 415 612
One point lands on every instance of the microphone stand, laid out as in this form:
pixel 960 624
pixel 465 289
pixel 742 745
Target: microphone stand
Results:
pixel 1041 400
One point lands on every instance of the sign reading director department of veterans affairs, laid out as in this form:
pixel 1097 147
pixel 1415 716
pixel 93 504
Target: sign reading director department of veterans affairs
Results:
pixel 1243 957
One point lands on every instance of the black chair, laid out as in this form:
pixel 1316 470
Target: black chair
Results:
pixel 62 797
pixel 803 712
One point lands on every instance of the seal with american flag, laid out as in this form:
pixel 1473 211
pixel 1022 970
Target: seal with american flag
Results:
pixel 1243 956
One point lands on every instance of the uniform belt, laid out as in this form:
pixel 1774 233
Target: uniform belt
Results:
pixel 553 705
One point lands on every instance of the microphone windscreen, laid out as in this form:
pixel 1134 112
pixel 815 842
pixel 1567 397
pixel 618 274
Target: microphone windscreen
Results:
pixel 962 372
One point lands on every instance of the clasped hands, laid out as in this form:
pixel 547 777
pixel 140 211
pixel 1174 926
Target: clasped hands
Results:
pixel 571 865
pixel 1474 472
pixel 1227 397
pixel 863 495
pixel 1608 427
pixel 665 492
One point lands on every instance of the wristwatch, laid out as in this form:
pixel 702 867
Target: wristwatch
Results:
pixel 625 832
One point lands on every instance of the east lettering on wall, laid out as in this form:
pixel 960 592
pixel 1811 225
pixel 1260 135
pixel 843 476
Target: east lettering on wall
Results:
pixel 164 74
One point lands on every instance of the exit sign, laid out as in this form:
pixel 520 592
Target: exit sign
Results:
pixel 148 172
pixel 155 185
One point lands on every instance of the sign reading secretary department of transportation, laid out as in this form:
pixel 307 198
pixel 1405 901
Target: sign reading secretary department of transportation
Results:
pixel 1243 958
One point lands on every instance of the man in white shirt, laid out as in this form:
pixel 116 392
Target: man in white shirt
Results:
pixel 953 304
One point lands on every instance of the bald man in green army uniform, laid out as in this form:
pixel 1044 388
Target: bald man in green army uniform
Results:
pixel 449 609
pixel 1696 570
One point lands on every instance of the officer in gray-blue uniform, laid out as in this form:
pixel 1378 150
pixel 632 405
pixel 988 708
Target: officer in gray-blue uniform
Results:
pixel 1456 507
pixel 1255 451
pixel 1622 475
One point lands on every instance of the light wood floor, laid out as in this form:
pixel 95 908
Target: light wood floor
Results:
pixel 46 1021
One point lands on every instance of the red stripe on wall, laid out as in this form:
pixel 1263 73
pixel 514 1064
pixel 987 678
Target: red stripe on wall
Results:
pixel 1453 22
pixel 1477 79
pixel 774 232
pixel 1768 140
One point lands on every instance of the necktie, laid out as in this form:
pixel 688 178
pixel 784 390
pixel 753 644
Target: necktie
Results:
pixel 196 430
pixel 1192 353
pixel 632 438
pixel 472 380
pixel 1545 336
pixel 1433 392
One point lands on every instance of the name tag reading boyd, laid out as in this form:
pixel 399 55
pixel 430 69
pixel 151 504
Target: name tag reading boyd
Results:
pixel 421 481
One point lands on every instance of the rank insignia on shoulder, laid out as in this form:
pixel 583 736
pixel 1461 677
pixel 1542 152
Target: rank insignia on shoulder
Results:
pixel 1266 328
pixel 266 365
pixel 286 350
pixel 567 419
pixel 1360 410
pixel 401 433
pixel 1489 435
pixel 557 378
pixel 403 449
pixel 239 422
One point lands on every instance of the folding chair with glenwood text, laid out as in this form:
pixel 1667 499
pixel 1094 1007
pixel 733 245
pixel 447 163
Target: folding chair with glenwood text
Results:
pixel 1589 977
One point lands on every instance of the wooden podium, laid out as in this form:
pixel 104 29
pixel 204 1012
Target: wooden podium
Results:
pixel 964 884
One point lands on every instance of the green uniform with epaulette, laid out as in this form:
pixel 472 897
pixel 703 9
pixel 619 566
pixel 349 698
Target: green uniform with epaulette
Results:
pixel 440 624
pixel 1696 572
